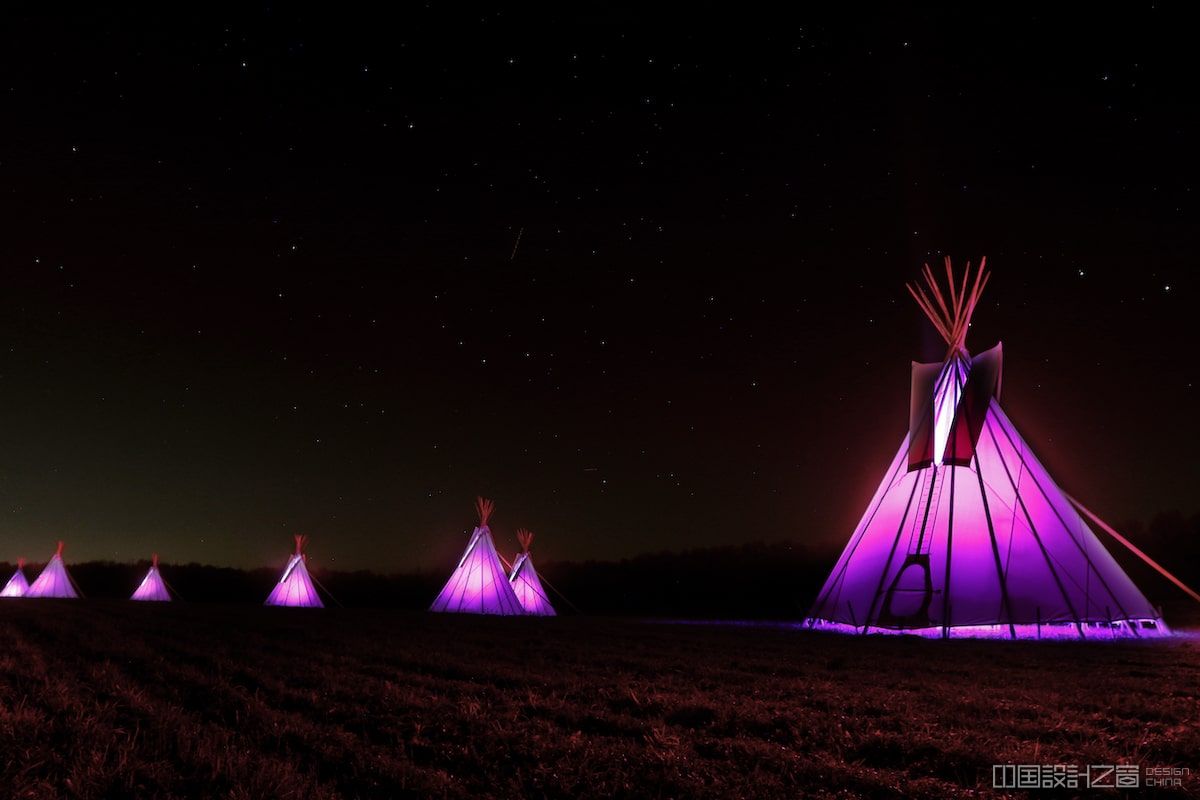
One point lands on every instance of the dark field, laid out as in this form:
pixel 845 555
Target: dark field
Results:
pixel 104 699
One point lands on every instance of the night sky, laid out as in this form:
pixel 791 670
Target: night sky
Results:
pixel 261 270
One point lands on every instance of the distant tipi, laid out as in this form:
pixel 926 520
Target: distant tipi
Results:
pixel 479 584
pixel 525 581
pixel 17 586
pixel 295 587
pixel 152 587
pixel 968 535
pixel 54 581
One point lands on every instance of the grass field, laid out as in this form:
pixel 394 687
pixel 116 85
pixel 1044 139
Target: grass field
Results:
pixel 113 699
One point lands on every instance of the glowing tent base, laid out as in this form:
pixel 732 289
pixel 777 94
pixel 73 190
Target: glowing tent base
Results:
pixel 152 588
pixel 526 583
pixel 295 587
pixel 17 586
pixel 479 585
pixel 1123 629
pixel 54 580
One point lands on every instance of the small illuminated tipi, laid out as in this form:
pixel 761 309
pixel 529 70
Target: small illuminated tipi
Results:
pixel 295 587
pixel 525 581
pixel 152 587
pixel 968 535
pixel 479 584
pixel 54 581
pixel 17 586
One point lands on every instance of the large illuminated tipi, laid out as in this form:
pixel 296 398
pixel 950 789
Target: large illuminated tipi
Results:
pixel 968 535
pixel 54 581
pixel 479 584
pixel 17 586
pixel 295 587
pixel 525 581
pixel 152 587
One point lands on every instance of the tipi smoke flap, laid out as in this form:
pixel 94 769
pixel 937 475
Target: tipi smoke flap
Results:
pixel 479 584
pixel 968 535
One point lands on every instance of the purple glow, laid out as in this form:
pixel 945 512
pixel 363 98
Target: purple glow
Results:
pixel 54 580
pixel 152 587
pixel 479 584
pixel 1118 629
pixel 1021 559
pixel 17 586
pixel 528 588
pixel 295 587
pixel 1146 629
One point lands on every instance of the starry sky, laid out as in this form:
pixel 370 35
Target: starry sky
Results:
pixel 639 278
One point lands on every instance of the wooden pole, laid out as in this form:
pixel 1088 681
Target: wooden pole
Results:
pixel 1108 529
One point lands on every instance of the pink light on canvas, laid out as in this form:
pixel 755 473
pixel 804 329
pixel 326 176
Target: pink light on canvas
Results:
pixel 17 586
pixel 479 584
pixel 295 587
pixel 54 581
pixel 526 583
pixel 152 588
pixel 968 535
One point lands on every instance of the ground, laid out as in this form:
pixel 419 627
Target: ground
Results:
pixel 115 699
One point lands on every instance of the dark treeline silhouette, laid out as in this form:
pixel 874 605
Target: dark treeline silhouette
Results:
pixel 752 581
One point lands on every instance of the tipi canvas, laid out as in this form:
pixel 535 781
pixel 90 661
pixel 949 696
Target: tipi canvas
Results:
pixel 525 581
pixel 968 535
pixel 479 584
pixel 152 587
pixel 295 587
pixel 54 580
pixel 17 586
